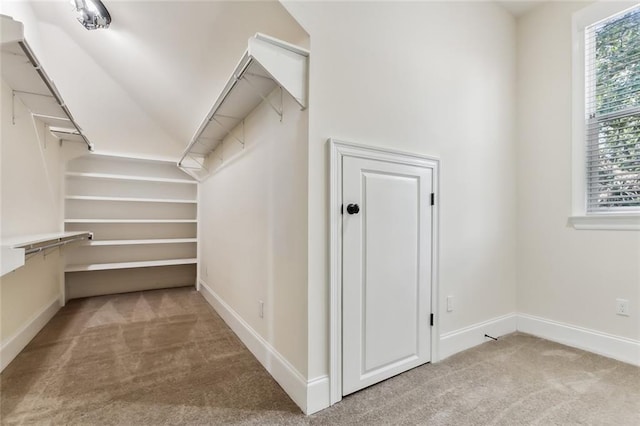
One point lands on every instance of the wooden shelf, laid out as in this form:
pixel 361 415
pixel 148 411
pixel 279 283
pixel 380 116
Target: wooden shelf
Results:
pixel 130 178
pixel 128 265
pixel 130 221
pixel 137 242
pixel 132 200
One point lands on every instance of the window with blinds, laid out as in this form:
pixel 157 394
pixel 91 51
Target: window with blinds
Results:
pixel 612 67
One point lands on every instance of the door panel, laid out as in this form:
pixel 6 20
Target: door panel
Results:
pixel 386 270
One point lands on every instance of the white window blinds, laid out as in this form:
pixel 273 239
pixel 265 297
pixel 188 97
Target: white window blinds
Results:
pixel 612 66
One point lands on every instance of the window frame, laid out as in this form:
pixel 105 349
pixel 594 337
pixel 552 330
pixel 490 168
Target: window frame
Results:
pixel 580 218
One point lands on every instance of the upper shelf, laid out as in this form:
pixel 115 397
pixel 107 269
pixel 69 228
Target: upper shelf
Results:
pixel 268 63
pixel 22 71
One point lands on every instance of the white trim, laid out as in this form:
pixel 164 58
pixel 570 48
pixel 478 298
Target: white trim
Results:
pixel 287 376
pixel 12 346
pixel 474 335
pixel 606 222
pixel 337 150
pixel 317 394
pixel 620 348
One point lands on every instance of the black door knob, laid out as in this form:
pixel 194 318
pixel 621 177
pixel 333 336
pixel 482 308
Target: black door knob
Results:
pixel 353 209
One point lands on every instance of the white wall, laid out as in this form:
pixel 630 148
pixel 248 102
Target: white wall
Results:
pixel 434 78
pixel 253 227
pixel 30 200
pixel 566 275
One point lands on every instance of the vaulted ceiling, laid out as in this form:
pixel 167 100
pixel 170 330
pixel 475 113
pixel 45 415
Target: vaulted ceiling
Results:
pixel 145 84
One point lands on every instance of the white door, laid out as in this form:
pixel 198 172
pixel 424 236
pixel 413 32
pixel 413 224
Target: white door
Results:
pixel 386 281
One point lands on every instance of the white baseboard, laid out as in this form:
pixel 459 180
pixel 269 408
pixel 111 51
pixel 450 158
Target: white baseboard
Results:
pixel 318 394
pixel 12 346
pixel 468 337
pixel 311 396
pixel 620 348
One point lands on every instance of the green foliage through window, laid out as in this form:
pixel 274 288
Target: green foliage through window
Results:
pixel 613 107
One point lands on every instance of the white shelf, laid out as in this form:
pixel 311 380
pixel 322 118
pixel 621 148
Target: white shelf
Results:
pixel 37 239
pixel 137 242
pixel 127 265
pixel 22 71
pixel 15 249
pixel 130 178
pixel 124 199
pixel 130 221
pixel 268 63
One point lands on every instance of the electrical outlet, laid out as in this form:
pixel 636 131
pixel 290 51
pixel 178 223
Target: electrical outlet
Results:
pixel 622 307
pixel 261 309
pixel 449 303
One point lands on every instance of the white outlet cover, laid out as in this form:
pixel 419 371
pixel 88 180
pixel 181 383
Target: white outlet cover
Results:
pixel 622 307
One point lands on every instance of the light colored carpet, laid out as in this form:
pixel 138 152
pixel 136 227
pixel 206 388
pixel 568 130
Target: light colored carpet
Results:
pixel 164 357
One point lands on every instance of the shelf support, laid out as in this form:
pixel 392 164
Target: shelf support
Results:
pixel 265 98
pixel 227 131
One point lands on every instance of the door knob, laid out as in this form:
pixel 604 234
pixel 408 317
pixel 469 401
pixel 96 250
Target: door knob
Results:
pixel 353 209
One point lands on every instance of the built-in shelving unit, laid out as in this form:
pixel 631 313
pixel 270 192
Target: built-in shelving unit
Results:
pixel 22 71
pixel 143 215
pixel 267 64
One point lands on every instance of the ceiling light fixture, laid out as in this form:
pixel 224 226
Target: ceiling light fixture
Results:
pixel 92 14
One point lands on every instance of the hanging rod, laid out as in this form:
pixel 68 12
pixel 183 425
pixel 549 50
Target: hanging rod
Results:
pixel 42 245
pixel 45 78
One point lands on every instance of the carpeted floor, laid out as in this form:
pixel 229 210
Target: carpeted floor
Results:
pixel 164 357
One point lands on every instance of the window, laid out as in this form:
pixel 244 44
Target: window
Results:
pixel 612 105
pixel 607 114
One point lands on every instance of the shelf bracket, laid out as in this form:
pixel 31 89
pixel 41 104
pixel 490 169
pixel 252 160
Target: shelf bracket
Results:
pixel 264 98
pixel 228 132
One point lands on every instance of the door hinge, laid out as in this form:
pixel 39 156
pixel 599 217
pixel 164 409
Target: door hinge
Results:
pixel 431 320
pixel 433 199
pixel 341 208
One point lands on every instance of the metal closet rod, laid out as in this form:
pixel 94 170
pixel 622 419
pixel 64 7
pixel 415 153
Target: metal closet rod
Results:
pixel 45 78
pixel 54 242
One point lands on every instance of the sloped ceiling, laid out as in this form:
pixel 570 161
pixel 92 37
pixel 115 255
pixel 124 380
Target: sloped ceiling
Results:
pixel 145 84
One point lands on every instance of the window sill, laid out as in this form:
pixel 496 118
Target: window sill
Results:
pixel 610 222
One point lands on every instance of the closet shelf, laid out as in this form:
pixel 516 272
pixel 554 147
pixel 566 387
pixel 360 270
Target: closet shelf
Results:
pixel 267 63
pixel 22 71
pixel 130 221
pixel 15 250
pixel 137 242
pixel 133 200
pixel 129 177
pixel 128 265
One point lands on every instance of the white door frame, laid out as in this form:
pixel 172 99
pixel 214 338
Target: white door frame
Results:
pixel 337 151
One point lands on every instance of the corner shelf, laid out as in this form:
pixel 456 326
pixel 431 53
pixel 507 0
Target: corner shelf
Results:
pixel 24 74
pixel 268 63
pixel 128 265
